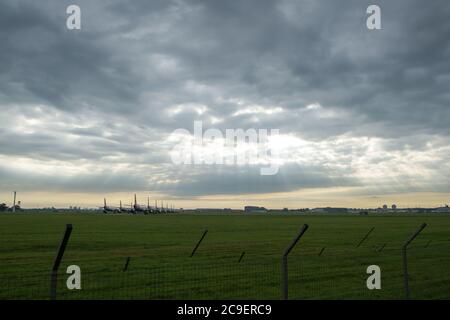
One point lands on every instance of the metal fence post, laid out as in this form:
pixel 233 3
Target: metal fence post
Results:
pixel 57 261
pixel 365 237
pixel 127 262
pixel 198 243
pixel 284 262
pixel 405 260
pixel 321 251
pixel 241 257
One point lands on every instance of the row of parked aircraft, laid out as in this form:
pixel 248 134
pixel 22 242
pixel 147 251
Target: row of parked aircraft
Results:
pixel 137 208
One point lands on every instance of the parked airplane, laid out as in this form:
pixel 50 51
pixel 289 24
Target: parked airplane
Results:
pixel 108 209
pixel 138 208
pixel 156 207
pixel 149 209
pixel 162 207
pixel 126 210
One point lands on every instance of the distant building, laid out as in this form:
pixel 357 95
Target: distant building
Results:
pixel 331 210
pixel 254 209
pixel 444 209
pixel 212 210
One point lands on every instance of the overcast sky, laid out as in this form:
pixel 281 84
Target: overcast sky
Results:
pixel 364 116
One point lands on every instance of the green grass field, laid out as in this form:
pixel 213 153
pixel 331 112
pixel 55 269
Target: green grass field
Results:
pixel 160 266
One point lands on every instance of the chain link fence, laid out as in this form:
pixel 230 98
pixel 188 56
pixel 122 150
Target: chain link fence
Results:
pixel 334 274
pixel 318 268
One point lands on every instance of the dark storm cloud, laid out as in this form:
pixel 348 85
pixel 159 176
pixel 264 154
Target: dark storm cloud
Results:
pixel 45 63
pixel 109 91
pixel 247 180
pixel 103 181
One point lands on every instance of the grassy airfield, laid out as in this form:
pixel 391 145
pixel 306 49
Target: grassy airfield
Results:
pixel 159 247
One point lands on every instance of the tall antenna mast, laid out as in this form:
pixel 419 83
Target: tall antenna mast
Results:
pixel 14 205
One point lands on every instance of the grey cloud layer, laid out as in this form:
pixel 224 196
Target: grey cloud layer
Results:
pixel 111 86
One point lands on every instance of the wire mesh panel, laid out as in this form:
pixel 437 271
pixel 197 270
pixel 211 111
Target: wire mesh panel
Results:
pixel 190 281
pixel 343 275
pixel 340 275
pixel 25 286
pixel 428 268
